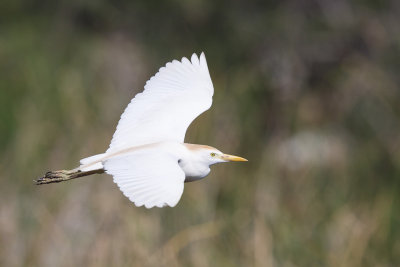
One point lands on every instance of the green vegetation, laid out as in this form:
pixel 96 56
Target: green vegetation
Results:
pixel 308 91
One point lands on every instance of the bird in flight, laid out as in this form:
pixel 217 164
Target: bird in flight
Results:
pixel 147 156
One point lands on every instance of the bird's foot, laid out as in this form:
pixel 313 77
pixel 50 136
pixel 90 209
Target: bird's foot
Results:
pixel 54 177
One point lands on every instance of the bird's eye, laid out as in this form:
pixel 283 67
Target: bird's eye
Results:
pixel 212 154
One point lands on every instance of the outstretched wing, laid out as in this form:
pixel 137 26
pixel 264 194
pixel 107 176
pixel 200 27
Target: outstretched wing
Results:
pixel 145 184
pixel 172 99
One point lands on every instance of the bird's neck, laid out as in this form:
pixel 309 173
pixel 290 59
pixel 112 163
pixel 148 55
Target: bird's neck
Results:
pixel 193 164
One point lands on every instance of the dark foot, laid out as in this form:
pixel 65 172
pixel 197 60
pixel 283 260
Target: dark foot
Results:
pixel 54 177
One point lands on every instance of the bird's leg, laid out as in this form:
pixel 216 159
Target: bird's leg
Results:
pixel 64 175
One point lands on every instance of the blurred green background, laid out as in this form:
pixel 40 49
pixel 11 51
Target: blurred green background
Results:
pixel 308 91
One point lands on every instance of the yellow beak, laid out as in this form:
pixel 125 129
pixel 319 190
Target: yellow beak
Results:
pixel 232 158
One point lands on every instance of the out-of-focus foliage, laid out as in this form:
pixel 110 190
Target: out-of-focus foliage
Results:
pixel 308 91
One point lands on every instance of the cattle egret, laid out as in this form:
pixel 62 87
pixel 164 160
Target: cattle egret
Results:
pixel 147 156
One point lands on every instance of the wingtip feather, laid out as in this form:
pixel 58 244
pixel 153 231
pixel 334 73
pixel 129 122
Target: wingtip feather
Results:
pixel 195 59
pixel 186 61
pixel 203 61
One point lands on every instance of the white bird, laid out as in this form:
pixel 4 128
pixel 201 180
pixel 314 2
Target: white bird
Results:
pixel 147 156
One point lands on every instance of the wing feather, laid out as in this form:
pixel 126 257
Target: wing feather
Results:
pixel 143 184
pixel 172 99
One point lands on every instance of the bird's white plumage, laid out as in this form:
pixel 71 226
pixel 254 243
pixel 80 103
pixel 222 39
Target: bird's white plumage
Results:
pixel 172 99
pixel 86 163
pixel 145 184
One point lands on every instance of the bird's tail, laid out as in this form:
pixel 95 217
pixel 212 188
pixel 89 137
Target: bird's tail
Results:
pixel 64 175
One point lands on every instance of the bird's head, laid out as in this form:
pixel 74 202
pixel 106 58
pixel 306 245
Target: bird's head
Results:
pixel 211 155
